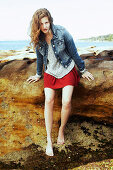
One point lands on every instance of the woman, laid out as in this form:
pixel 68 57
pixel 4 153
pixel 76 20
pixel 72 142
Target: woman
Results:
pixel 55 50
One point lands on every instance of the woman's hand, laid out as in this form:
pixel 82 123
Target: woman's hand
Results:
pixel 88 75
pixel 33 79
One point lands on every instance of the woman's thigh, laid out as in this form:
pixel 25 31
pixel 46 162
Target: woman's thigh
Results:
pixel 67 92
pixel 49 94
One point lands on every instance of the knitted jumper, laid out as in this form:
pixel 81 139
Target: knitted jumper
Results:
pixel 54 68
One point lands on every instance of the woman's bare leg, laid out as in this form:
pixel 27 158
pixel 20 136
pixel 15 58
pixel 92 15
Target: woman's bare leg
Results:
pixel 48 112
pixel 67 92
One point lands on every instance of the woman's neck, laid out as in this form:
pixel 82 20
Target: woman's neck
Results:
pixel 48 37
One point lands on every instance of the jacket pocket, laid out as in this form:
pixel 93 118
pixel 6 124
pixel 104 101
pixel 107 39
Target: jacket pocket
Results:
pixel 60 45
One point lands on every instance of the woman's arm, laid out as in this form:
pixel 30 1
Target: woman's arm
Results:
pixel 38 75
pixel 72 50
pixel 39 62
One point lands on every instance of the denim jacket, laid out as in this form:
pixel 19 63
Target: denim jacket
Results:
pixel 64 49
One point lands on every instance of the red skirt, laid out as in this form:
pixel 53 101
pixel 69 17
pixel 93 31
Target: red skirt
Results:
pixel 72 78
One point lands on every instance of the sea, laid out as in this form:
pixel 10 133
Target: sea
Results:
pixel 21 44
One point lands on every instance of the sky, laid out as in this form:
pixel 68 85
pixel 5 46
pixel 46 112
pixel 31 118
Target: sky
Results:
pixel 82 18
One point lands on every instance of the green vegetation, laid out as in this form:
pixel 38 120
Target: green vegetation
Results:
pixel 108 37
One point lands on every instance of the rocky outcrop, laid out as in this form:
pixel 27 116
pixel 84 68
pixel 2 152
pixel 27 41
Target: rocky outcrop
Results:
pixel 91 99
pixel 22 104
pixel 95 98
pixel 107 164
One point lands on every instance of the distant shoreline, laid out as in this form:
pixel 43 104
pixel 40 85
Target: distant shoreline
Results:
pixel 108 37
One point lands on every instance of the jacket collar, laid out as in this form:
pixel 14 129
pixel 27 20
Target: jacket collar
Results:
pixel 54 31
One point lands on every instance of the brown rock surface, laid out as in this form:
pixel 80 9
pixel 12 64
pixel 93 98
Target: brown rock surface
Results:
pixel 107 164
pixel 22 104
pixel 92 99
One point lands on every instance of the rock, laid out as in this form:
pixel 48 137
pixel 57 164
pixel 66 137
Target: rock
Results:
pixel 8 55
pixel 92 99
pixel 105 55
pixel 15 73
pixel 88 55
pixel 85 142
pixel 106 164
pixel 22 104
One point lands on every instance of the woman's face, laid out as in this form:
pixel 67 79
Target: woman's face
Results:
pixel 44 25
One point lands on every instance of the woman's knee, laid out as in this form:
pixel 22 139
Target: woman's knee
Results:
pixel 66 103
pixel 49 95
pixel 49 100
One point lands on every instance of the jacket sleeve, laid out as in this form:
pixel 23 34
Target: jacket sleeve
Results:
pixel 39 62
pixel 72 50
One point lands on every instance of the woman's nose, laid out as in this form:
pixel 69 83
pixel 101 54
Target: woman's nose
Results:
pixel 44 25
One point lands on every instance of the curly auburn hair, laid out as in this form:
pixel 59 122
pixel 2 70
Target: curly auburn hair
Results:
pixel 35 32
